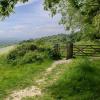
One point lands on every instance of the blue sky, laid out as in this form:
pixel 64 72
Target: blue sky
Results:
pixel 30 21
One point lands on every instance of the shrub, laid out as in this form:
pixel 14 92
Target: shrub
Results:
pixel 28 46
pixel 31 57
pixel 29 53
pixel 19 52
pixel 54 55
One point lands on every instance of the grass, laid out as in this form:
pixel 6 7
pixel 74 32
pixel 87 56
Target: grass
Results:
pixel 76 81
pixel 18 77
pixel 43 97
pixel 81 81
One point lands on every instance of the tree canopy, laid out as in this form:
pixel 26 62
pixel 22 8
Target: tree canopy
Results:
pixel 77 14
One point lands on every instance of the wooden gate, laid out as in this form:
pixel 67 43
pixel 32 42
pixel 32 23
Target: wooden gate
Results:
pixel 71 50
pixel 82 50
pixel 86 50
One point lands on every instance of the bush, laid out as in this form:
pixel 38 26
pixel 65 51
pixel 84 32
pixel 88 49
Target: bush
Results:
pixel 19 52
pixel 29 53
pixel 28 57
pixel 54 55
pixel 31 57
pixel 27 46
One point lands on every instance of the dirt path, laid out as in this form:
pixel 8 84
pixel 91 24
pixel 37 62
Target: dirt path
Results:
pixel 35 90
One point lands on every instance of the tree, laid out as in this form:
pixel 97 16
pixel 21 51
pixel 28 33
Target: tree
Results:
pixel 77 14
pixel 7 6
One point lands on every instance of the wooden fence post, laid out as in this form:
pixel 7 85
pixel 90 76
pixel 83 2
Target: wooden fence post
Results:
pixel 56 52
pixel 69 50
pixel 56 48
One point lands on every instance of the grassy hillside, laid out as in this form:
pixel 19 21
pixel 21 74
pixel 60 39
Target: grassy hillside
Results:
pixel 48 41
pixel 28 60
pixel 31 51
pixel 36 50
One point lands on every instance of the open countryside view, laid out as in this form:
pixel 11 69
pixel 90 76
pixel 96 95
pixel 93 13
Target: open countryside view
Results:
pixel 49 49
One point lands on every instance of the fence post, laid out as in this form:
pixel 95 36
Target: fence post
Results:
pixel 56 48
pixel 56 53
pixel 69 50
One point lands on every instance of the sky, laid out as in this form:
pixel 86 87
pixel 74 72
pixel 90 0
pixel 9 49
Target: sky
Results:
pixel 30 21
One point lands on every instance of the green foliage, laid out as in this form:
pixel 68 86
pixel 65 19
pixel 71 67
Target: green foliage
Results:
pixel 43 97
pixel 16 55
pixel 7 6
pixel 36 50
pixel 79 82
pixel 55 52
pixel 32 57
pixel 26 53
pixel 80 13
pixel 55 55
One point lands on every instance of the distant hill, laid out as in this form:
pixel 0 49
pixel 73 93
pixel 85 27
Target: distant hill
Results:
pixel 48 40
pixel 8 41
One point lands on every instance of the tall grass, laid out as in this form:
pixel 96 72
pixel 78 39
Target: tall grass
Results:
pixel 81 81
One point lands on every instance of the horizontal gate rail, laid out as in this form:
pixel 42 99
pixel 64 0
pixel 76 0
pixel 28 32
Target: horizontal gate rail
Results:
pixel 86 50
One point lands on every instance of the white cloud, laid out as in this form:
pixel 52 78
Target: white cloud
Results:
pixel 18 27
pixel 1 31
pixel 49 28
pixel 23 4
